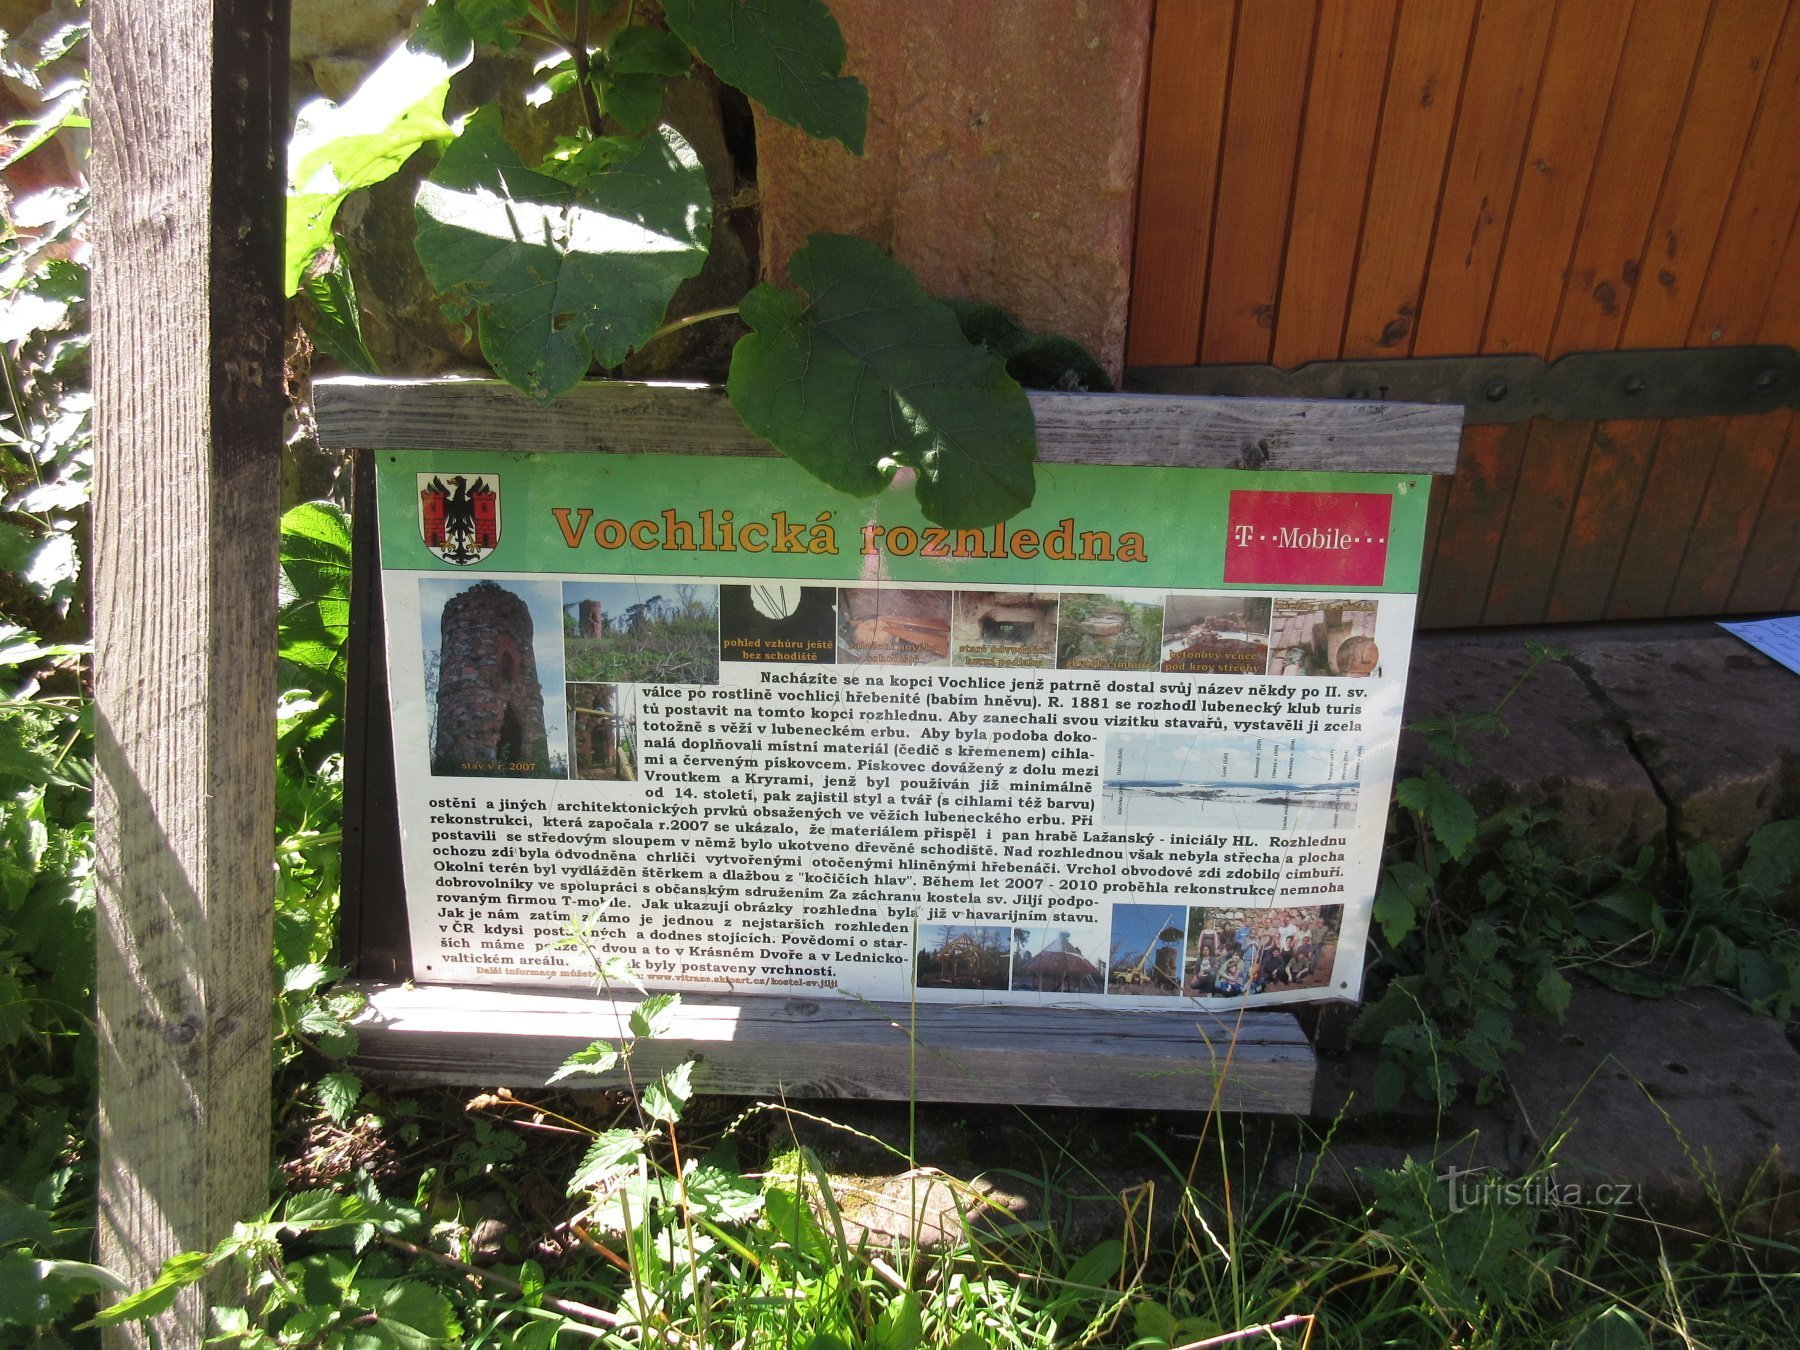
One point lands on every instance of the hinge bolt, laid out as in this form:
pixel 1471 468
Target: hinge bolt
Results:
pixel 1362 391
pixel 1495 390
pixel 1635 385
pixel 1764 378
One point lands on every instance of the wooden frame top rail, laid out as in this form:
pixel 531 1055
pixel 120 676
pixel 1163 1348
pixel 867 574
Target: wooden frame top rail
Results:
pixel 619 417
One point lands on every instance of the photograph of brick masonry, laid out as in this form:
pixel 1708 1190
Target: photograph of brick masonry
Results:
pixel 1535 260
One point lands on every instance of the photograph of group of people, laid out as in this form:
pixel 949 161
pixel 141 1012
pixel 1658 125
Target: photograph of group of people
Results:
pixel 1233 952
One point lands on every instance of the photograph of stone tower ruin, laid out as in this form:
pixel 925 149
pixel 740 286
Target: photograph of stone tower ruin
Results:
pixel 486 676
pixel 662 631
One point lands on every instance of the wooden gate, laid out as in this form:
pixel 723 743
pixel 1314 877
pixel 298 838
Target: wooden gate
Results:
pixel 1327 179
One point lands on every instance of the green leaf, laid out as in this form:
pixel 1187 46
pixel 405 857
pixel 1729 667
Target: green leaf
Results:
pixel 177 1273
pixel 1388 1087
pixel 314 621
pixel 612 1152
pixel 901 1325
pixel 1773 861
pixel 1447 812
pixel 21 1224
pixel 596 1057
pixel 1403 894
pixel 1089 1278
pixel 562 275
pixel 1154 1323
pixel 338 1094
pixel 633 101
pixel 34 1290
pixel 487 20
pixel 413 1314
pixel 1552 992
pixel 1035 360
pixel 339 148
pixel 307 977
pixel 1714 958
pixel 637 50
pixel 785 54
pixel 870 375
pixel 1706 879
pixel 654 1016
pixel 664 1099
pixel 336 327
pixel 721 1194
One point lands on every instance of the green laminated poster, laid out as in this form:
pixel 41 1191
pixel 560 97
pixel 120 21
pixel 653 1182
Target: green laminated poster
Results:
pixel 1132 746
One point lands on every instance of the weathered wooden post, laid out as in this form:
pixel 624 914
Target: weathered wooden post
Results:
pixel 190 104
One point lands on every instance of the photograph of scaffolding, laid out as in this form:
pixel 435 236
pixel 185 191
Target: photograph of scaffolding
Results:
pixel 1146 950
pixel 963 956
pixel 603 732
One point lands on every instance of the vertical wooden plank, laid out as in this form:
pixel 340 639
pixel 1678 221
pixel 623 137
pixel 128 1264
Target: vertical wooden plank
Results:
pixel 1190 55
pixel 1256 178
pixel 1649 95
pixel 1727 89
pixel 1735 503
pixel 191 109
pixel 1685 451
pixel 1577 85
pixel 1566 122
pixel 1499 92
pixel 1722 99
pixel 1770 565
pixel 1485 474
pixel 1737 490
pixel 1586 50
pixel 1343 109
pixel 1434 530
pixel 1770 562
pixel 1418 113
pixel 1743 253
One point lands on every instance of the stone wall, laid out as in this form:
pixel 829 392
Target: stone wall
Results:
pixel 1002 157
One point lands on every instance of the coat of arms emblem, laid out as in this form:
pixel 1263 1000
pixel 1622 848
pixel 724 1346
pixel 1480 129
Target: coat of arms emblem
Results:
pixel 460 519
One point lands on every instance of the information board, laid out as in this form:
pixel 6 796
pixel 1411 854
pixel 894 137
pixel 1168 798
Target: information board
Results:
pixel 1130 747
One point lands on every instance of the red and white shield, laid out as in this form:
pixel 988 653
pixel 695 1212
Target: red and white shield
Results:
pixel 459 516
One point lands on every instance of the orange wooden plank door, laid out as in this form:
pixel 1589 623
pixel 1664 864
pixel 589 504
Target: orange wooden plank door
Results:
pixel 1326 179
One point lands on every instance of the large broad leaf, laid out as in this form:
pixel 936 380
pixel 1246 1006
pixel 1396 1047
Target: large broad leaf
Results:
pixel 562 274
pixel 869 375
pixel 335 323
pixel 1035 360
pixel 785 54
pixel 315 592
pixel 340 147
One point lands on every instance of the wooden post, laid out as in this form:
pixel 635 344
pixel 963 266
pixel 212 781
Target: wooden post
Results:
pixel 190 102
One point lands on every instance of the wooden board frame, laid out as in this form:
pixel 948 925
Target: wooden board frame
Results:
pixel 1186 1058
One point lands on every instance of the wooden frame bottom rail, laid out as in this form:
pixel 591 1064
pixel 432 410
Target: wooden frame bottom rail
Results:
pixel 1179 1058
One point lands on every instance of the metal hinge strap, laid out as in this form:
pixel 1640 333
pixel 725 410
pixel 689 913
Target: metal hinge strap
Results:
pixel 1582 387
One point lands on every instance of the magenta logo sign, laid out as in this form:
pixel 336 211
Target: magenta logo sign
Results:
pixel 1307 538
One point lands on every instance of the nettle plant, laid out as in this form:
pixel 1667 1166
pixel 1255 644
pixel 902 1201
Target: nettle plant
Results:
pixel 570 264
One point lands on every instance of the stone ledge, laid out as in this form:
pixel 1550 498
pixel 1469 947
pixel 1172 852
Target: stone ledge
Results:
pixel 1714 721
pixel 1565 752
